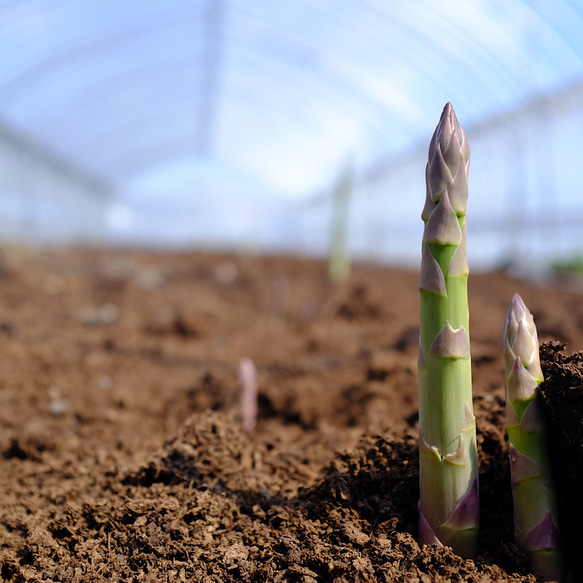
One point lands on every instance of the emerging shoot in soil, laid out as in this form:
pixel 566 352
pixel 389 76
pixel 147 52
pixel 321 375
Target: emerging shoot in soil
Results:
pixel 247 376
pixel 535 520
pixel 339 263
pixel 448 505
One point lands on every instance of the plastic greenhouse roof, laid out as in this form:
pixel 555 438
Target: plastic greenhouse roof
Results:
pixel 267 98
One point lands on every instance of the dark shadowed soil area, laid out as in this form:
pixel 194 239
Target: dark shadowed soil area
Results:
pixel 122 451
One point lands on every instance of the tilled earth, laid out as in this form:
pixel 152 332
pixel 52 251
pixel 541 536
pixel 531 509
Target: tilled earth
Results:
pixel 124 458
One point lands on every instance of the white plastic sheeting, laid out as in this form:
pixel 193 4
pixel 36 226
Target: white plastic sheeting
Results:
pixel 227 122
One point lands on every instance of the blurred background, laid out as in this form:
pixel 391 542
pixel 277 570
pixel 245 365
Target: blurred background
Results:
pixel 233 124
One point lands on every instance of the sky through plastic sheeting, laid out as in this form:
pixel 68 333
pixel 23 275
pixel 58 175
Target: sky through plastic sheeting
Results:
pixel 216 105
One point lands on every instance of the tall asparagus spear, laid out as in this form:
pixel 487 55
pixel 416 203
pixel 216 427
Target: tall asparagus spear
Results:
pixel 535 515
pixel 448 505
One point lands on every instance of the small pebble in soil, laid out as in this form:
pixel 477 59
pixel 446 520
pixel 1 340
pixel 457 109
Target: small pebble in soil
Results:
pixel 57 405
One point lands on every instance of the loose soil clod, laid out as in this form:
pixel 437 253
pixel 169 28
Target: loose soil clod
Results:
pixel 562 394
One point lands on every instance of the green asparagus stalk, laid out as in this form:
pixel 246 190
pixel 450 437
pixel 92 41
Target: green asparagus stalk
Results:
pixel 535 515
pixel 339 263
pixel 448 505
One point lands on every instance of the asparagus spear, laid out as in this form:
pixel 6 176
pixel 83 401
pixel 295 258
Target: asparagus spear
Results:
pixel 448 505
pixel 247 376
pixel 535 516
pixel 339 263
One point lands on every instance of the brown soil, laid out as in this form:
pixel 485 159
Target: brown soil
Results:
pixel 123 453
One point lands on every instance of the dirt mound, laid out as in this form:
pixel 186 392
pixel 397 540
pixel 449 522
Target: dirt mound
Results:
pixel 124 456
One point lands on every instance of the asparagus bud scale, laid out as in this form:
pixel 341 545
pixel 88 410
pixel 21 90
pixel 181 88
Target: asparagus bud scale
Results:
pixel 535 524
pixel 448 504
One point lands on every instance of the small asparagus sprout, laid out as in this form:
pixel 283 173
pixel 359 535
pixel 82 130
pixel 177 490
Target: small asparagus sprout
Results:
pixel 448 505
pixel 339 263
pixel 247 376
pixel 535 518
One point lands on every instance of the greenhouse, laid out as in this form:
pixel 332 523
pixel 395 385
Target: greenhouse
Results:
pixel 290 291
pixel 229 123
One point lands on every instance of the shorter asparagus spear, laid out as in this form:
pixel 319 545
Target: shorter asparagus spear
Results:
pixel 247 376
pixel 535 518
